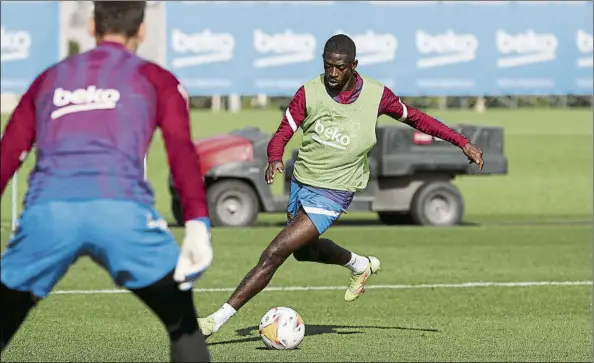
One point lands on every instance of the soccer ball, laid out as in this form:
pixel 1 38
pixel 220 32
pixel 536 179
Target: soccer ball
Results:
pixel 282 328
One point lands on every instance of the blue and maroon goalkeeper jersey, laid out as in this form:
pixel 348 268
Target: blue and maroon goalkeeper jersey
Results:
pixel 91 118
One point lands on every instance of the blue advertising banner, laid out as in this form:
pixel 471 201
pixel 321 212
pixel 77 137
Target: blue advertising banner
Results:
pixel 454 48
pixel 30 41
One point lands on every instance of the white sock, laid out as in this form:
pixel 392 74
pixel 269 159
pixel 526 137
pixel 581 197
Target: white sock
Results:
pixel 357 264
pixel 223 314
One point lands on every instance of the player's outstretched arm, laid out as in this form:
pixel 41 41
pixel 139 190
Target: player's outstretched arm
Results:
pixel 393 106
pixel 19 135
pixel 292 119
pixel 173 118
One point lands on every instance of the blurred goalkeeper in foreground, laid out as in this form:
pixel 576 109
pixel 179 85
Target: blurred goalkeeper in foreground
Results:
pixel 337 112
pixel 92 117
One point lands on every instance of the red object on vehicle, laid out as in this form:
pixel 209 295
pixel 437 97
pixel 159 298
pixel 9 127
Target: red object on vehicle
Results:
pixel 421 138
pixel 218 150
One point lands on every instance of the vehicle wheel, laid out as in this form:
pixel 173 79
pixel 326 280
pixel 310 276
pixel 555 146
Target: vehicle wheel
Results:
pixel 176 210
pixel 232 203
pixel 395 218
pixel 437 204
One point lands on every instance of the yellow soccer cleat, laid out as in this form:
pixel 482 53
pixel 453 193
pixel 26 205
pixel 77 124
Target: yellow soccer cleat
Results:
pixel 207 325
pixel 357 285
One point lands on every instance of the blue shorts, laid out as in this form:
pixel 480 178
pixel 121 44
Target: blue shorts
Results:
pixel 321 210
pixel 131 241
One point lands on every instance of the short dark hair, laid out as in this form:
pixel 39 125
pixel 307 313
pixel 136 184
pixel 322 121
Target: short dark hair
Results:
pixel 341 44
pixel 118 17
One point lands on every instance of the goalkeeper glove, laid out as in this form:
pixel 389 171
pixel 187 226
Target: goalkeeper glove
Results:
pixel 196 253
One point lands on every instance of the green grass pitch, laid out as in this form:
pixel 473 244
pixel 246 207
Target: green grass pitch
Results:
pixel 442 295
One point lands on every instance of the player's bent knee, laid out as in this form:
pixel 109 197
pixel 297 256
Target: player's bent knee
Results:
pixel 272 257
pixel 269 259
pixel 306 253
pixel 310 253
pixel 301 254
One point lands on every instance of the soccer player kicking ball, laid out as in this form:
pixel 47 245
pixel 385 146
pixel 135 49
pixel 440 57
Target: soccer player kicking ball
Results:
pixel 338 112
pixel 92 117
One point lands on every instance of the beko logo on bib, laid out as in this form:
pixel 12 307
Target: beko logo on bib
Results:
pixel 372 47
pixel 525 48
pixel 445 48
pixel 283 48
pixel 14 45
pixel 204 47
pixel 332 136
pixel 81 100
pixel 585 44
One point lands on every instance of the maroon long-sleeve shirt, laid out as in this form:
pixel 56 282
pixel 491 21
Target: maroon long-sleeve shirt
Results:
pixel 390 105
pixel 91 118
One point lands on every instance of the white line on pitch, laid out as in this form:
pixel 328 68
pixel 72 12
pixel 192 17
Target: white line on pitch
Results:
pixel 381 287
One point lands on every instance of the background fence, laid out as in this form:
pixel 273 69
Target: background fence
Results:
pixel 428 48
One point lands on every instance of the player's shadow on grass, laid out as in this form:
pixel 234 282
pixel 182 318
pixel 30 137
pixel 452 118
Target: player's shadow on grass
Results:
pixel 250 334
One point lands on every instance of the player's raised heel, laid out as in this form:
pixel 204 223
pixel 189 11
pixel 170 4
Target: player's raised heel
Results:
pixel 207 325
pixel 357 285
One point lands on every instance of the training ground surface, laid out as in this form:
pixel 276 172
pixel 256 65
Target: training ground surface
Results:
pixel 513 284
